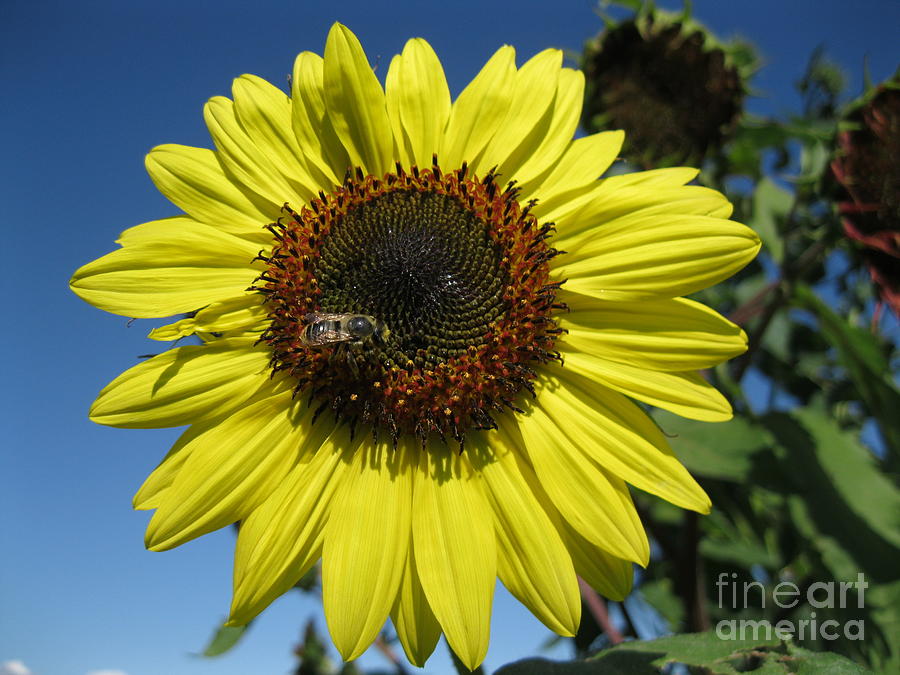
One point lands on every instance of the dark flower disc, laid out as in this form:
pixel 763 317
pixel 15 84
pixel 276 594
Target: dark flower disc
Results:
pixel 453 272
pixel 674 95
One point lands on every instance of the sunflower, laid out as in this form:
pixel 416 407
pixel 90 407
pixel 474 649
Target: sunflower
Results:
pixel 664 78
pixel 400 371
pixel 866 169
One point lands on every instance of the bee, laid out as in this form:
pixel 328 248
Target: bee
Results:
pixel 325 329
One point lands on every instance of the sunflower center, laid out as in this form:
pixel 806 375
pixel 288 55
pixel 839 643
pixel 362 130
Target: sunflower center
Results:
pixel 413 303
pixel 423 265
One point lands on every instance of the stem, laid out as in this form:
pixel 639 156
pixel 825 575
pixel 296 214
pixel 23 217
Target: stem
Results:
pixel 776 300
pixel 693 572
pixel 597 608
pixel 777 294
pixel 754 305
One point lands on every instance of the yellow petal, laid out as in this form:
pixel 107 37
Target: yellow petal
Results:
pixel 581 164
pixel 417 628
pixel 592 501
pixel 246 163
pixel 167 267
pixel 193 180
pixel 420 98
pixel 568 203
pixel 528 116
pixel 355 103
pixel 672 334
pixel 241 312
pixel 184 385
pixel 479 110
pixel 235 315
pixel 149 496
pixel 233 466
pixel 312 126
pixel 366 543
pixel 532 560
pixel 610 576
pixel 282 539
pixel 686 394
pixel 173 332
pixel 669 177
pixel 264 112
pixel 629 203
pixel 657 256
pixel 564 122
pixel 455 549
pixel 616 435
pixel 402 143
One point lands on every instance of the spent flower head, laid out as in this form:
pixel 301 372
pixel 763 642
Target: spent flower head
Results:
pixel 668 82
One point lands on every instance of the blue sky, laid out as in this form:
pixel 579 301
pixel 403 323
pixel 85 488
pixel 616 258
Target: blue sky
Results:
pixel 89 87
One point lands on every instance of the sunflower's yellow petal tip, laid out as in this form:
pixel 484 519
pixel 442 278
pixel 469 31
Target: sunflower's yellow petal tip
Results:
pixel 507 51
pixel 243 610
pixel 156 547
pixel 416 43
pixel 151 159
pixel 471 658
pixel 95 413
pixel 697 500
pixel 151 541
pixel 339 29
pixel 567 632
pixel 616 138
pixel 142 502
pixel 715 416
pixel 350 650
pixel 160 535
pixel 414 659
pixel 642 556
pixel 551 52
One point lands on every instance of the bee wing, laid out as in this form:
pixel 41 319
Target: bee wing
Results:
pixel 313 317
pixel 329 337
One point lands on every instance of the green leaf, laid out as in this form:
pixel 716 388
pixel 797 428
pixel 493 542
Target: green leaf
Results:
pixel 224 639
pixel 698 650
pixel 813 159
pixel 851 502
pixel 823 663
pixel 723 450
pixel 882 601
pixel 693 649
pixel 762 133
pixel 862 355
pixel 739 552
pixel 771 206
pixel 852 470
pixel 660 594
